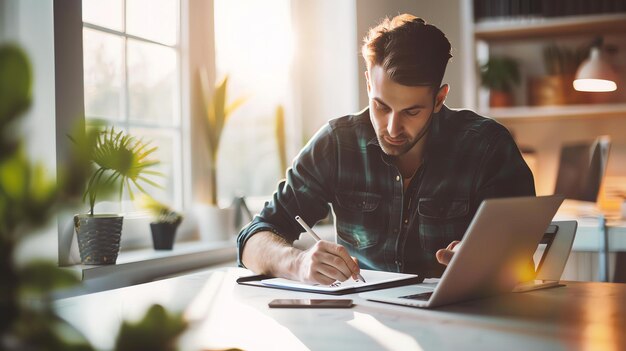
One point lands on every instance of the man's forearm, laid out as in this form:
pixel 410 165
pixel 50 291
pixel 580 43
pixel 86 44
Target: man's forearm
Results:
pixel 268 253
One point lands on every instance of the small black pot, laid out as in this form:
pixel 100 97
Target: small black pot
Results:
pixel 163 235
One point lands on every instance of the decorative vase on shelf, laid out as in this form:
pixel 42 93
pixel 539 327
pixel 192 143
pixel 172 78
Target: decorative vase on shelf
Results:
pixel 554 90
pixel 499 98
pixel 215 223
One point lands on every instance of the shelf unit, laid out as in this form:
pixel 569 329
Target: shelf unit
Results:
pixel 496 31
pixel 550 27
pixel 536 113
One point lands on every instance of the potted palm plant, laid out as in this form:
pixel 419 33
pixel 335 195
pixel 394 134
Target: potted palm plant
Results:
pixel 165 223
pixel 215 223
pixel 499 75
pixel 120 162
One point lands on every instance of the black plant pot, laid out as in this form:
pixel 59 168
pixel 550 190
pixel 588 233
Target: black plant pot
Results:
pixel 163 235
pixel 98 237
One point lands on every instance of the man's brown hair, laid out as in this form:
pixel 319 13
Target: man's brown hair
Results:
pixel 411 52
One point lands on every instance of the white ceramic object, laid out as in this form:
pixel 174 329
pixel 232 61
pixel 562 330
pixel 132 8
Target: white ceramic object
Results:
pixel 214 223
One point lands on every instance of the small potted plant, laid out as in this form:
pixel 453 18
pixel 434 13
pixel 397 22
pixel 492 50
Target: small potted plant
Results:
pixel 499 75
pixel 165 224
pixel 119 162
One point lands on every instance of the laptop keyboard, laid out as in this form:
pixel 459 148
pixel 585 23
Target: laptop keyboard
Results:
pixel 421 296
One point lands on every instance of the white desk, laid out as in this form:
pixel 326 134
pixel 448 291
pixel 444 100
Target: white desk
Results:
pixel 578 316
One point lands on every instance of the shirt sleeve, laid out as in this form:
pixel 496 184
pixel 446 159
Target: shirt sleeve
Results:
pixel 306 192
pixel 504 173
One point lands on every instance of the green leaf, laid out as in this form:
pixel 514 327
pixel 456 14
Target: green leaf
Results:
pixel 42 277
pixel 218 111
pixel 15 83
pixel 280 137
pixel 13 174
pixel 500 73
pixel 120 160
pixel 157 331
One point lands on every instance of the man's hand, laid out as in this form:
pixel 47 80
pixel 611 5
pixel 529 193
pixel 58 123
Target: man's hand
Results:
pixel 444 256
pixel 326 262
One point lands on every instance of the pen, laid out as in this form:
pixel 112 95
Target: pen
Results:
pixel 317 238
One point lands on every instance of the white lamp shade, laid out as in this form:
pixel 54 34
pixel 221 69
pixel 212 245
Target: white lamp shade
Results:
pixel 595 74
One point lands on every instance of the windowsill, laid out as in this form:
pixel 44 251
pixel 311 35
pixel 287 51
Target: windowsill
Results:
pixel 140 266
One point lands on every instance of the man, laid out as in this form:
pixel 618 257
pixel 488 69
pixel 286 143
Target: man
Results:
pixel 404 176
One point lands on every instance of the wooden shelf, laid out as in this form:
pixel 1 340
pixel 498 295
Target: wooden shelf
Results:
pixel 535 113
pixel 550 27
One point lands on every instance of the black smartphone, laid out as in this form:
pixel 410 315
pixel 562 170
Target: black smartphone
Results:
pixel 311 303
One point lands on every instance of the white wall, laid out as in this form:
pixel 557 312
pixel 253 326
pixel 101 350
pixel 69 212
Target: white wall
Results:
pixel 325 62
pixel 29 23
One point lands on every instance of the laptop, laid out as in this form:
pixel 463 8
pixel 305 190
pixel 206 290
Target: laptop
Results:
pixel 495 254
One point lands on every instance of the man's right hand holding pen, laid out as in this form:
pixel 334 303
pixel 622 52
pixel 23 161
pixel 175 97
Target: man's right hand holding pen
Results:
pixel 328 260
pixel 325 263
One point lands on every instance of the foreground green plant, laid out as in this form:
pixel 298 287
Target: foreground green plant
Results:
pixel 29 198
pixel 157 331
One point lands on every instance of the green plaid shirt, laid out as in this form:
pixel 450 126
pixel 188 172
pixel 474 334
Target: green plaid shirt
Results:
pixel 468 158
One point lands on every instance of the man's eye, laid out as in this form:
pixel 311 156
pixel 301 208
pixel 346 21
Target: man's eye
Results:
pixel 412 112
pixel 381 107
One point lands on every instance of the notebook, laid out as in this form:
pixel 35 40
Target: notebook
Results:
pixel 374 280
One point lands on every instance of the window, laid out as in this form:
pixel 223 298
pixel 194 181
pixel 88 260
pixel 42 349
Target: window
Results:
pixel 132 78
pixel 254 47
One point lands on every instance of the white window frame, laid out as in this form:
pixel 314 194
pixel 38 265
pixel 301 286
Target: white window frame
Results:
pixel 126 123
pixel 196 49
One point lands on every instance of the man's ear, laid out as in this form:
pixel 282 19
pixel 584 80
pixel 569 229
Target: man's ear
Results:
pixel 367 81
pixel 440 98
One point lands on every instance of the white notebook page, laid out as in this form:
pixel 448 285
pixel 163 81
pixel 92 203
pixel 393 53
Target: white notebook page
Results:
pixel 371 277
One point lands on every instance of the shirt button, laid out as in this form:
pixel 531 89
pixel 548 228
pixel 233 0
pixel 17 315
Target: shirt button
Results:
pixel 397 178
pixel 406 221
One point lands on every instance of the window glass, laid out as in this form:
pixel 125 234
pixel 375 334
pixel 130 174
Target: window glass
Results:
pixel 104 13
pixel 131 78
pixel 103 66
pixel 152 83
pixel 156 20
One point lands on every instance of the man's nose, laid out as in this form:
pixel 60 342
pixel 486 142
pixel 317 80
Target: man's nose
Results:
pixel 394 125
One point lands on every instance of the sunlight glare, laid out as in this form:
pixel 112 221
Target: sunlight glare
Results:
pixel 254 41
pixel 388 338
